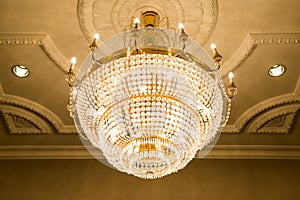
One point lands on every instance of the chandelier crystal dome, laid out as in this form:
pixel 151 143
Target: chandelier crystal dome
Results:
pixel 149 98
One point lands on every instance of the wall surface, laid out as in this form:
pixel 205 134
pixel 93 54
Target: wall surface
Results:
pixel 202 179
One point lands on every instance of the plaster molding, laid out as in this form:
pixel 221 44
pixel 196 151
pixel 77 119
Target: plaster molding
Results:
pixel 37 109
pixel 123 11
pixel 292 99
pixel 118 15
pixel 20 121
pixel 278 120
pixel 20 125
pixel 42 40
pixel 218 152
pixel 84 10
pixel 250 43
pixel 209 22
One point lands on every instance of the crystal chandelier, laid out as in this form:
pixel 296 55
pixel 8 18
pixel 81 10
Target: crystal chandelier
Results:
pixel 149 98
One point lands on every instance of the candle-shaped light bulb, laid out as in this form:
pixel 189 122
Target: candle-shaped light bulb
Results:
pixel 94 44
pixel 230 76
pixel 73 62
pixel 181 27
pixel 136 22
pixel 96 36
pixel 213 46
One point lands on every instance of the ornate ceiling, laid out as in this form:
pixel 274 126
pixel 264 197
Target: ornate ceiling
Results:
pixel 252 36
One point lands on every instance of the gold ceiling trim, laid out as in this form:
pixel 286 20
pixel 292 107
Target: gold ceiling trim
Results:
pixel 20 121
pixel 292 98
pixel 219 152
pixel 250 43
pixel 38 110
pixel 277 120
pixel 42 40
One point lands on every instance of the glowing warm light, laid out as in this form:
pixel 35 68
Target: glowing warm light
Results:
pixel 136 20
pixel 276 70
pixel 73 60
pixel 96 36
pixel 20 71
pixel 180 26
pixel 213 46
pixel 230 76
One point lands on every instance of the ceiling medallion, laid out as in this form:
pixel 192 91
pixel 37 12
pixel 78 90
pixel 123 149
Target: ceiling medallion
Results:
pixel 112 17
pixel 149 98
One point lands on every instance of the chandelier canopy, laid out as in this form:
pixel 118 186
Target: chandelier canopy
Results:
pixel 149 98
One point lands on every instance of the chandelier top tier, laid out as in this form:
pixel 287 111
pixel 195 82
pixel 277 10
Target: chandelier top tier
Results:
pixel 149 99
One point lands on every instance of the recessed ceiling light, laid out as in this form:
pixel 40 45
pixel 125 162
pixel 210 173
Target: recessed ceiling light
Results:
pixel 20 71
pixel 277 70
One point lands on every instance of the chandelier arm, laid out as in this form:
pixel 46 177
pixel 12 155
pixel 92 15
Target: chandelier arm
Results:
pixel 183 47
pixel 135 46
pixel 94 59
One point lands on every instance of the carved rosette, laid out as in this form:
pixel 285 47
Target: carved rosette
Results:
pixel 108 18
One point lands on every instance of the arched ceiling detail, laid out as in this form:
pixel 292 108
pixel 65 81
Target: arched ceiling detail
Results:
pixel 250 43
pixel 42 40
pixel 36 110
pixel 269 104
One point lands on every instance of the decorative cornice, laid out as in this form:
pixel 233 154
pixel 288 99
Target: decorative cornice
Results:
pixel 254 152
pixel 277 120
pixel 84 10
pixel 253 40
pixel 20 121
pixel 36 109
pixel 19 125
pixel 120 12
pixel 282 100
pixel 42 40
pixel 210 8
pixel 218 152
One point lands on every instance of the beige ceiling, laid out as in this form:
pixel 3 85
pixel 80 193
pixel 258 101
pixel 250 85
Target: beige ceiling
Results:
pixel 251 36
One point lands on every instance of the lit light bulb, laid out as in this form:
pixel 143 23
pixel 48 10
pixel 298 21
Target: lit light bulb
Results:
pixel 180 26
pixel 73 62
pixel 96 36
pixel 213 46
pixel 20 71
pixel 230 76
pixel 136 20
